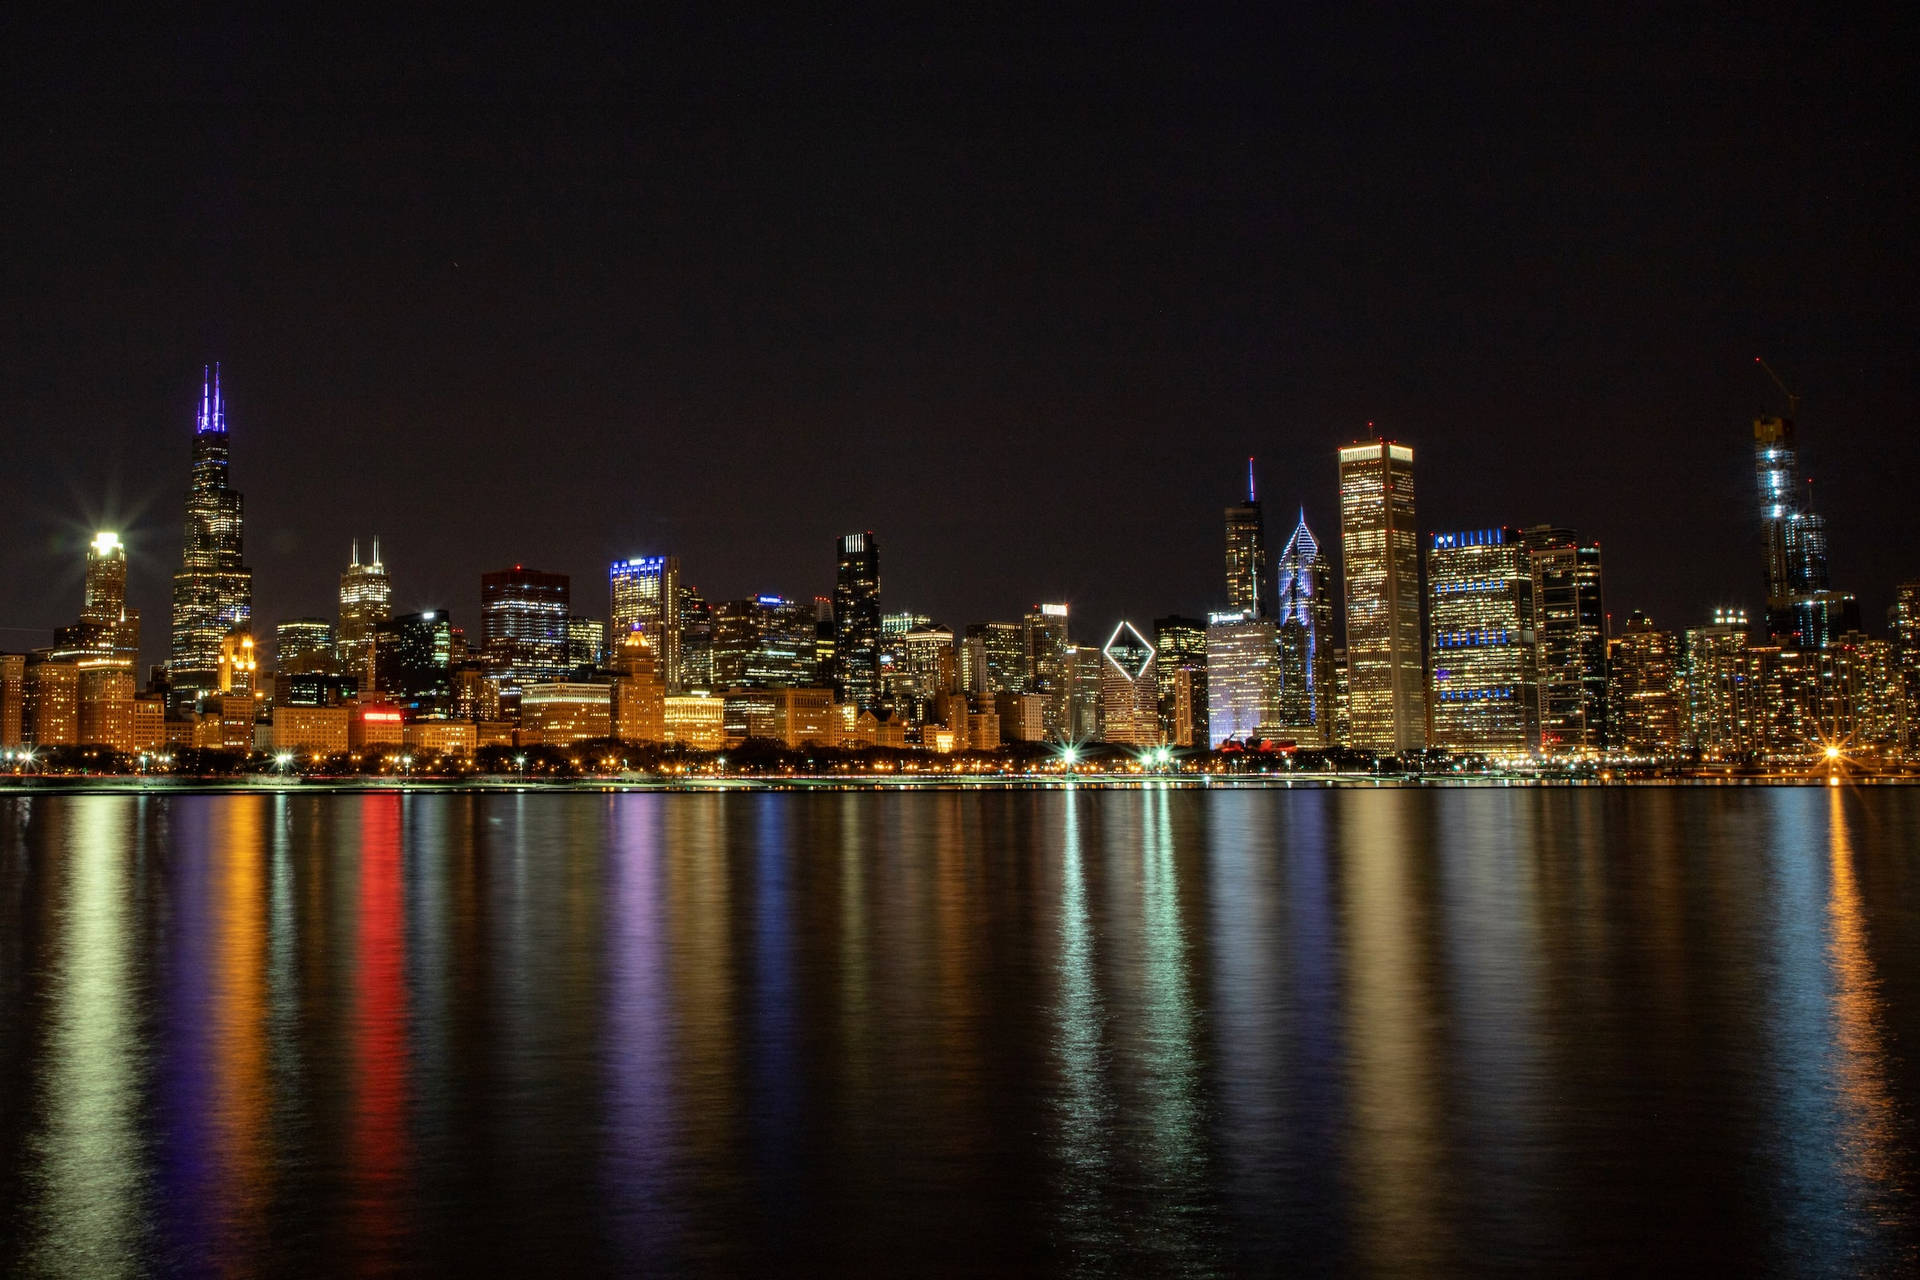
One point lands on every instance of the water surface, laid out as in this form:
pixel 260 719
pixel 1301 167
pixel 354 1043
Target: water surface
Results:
pixel 1140 1032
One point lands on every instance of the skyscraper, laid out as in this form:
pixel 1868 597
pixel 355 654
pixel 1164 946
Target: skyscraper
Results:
pixel 856 620
pixel 1130 689
pixel 645 593
pixel 303 646
pixel 1480 620
pixel 366 601
pixel 523 626
pixel 1719 699
pixel 1386 678
pixel 213 591
pixel 1570 640
pixel 1803 610
pixel 1180 660
pixel 1644 681
pixel 1243 686
pixel 413 661
pixel 1904 621
pixel 1303 609
pixel 1246 554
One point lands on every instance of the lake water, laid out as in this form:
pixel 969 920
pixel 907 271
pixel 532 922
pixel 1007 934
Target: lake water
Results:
pixel 1095 1032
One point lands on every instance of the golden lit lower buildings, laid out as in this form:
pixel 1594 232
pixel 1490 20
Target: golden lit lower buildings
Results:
pixel 560 713
pixel 320 731
pixel 697 721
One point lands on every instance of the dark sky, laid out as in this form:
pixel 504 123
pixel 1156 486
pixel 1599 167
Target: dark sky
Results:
pixel 1021 300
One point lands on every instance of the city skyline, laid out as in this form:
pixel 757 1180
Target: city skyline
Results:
pixel 924 277
pixel 463 599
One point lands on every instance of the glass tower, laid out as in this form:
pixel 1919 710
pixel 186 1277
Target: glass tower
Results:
pixel 1482 642
pixel 366 601
pixel 1303 608
pixel 213 591
pixel 523 626
pixel 856 621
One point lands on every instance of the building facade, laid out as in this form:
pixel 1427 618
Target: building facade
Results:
pixel 213 591
pixel 1130 689
pixel 1570 640
pixel 645 594
pixel 523 626
pixel 1243 678
pixel 1380 551
pixel 1481 643
pixel 1644 670
pixel 366 601
pixel 856 620
pixel 1303 614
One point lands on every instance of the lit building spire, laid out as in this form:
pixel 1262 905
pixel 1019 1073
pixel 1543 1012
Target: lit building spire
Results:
pixel 213 414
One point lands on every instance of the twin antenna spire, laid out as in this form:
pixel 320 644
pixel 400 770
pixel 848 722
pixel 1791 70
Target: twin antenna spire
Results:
pixel 355 563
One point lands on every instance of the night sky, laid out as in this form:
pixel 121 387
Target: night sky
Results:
pixel 1021 300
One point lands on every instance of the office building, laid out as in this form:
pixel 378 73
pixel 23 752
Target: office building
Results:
pixel 1247 554
pixel 1904 621
pixel 562 712
pixel 304 646
pixel 1303 617
pixel 856 620
pixel 696 721
pixel 1050 670
pixel 995 658
pixel 523 626
pixel 1644 673
pixel 107 629
pixel 1380 549
pixel 639 692
pixel 646 594
pixel 13 699
pixel 586 646
pixel 1022 716
pixel 1180 661
pixel 51 708
pixel 311 731
pixel 1129 689
pixel 765 642
pixel 1243 678
pixel 413 662
pixel 1481 643
pixel 1719 699
pixel 1570 641
pixel 213 591
pixel 792 717
pixel 696 640
pixel 366 601
pixel 1081 712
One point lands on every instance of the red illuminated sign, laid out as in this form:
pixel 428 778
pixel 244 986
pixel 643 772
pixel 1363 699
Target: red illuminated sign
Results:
pixel 385 717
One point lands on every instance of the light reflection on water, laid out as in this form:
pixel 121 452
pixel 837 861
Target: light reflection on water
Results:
pixel 1093 1032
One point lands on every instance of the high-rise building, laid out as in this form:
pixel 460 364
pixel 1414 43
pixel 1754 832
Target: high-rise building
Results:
pixel 1802 608
pixel 856 620
pixel 523 626
pixel 1048 670
pixel 696 640
pixel 586 646
pixel 104 610
pixel 1644 673
pixel 1303 610
pixel 1247 554
pixel 1570 640
pixel 303 646
pixel 366 601
pixel 13 699
pixel 1180 659
pixel 213 591
pixel 1480 637
pixel 646 595
pixel 1130 689
pixel 1386 678
pixel 1243 678
pixel 923 668
pixel 1904 621
pixel 51 711
pixel 995 658
pixel 1081 706
pixel 413 662
pixel 639 692
pixel 765 642
pixel 1719 698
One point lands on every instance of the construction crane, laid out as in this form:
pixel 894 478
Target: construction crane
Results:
pixel 1793 401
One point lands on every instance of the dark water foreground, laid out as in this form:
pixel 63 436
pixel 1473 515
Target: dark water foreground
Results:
pixel 1113 1033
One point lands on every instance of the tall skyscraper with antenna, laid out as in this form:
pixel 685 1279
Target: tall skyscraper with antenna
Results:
pixel 213 591
pixel 1246 554
pixel 366 601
